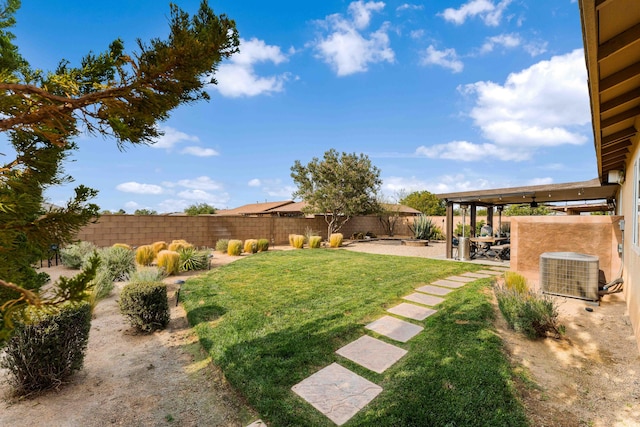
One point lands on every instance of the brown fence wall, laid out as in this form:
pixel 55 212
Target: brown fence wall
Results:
pixel 206 230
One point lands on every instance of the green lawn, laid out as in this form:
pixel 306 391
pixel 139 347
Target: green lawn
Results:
pixel 273 319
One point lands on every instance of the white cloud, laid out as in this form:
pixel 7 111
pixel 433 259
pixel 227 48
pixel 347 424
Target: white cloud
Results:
pixel 469 152
pixel 345 48
pixel 487 10
pixel 131 206
pixel 447 58
pixel 200 151
pixel 535 48
pixel 407 6
pixel 509 41
pixel 546 104
pixel 416 34
pixel 238 77
pixel 394 184
pixel 172 137
pixel 254 183
pixel 284 192
pixel 200 183
pixel 540 181
pixel 138 188
pixel 188 198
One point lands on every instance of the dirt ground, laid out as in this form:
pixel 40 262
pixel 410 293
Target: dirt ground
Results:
pixel 590 377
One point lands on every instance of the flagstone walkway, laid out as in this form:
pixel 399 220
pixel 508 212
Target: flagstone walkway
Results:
pixel 340 393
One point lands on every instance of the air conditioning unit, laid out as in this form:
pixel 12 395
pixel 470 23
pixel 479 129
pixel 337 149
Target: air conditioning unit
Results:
pixel 570 274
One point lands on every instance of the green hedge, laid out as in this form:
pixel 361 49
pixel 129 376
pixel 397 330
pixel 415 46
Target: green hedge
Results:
pixel 145 305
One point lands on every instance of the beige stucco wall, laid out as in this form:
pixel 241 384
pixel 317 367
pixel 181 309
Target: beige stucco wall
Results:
pixel 626 201
pixel 532 236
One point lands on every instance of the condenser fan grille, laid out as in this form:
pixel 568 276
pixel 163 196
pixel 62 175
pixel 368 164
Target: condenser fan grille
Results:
pixel 569 274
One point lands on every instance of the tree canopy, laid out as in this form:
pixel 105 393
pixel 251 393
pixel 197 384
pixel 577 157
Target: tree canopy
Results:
pixel 338 186
pixel 425 202
pixel 199 209
pixel 114 93
pixel 524 210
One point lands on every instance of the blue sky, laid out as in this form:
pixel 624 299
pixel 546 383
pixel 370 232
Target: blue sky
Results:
pixel 442 96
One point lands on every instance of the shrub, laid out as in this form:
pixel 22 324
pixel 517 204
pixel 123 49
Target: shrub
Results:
pixel 309 233
pixel 147 274
pixel 169 261
pixel 48 348
pixel 176 245
pixel 357 236
pixel 516 282
pixel 315 242
pixel 533 314
pixel 291 236
pixel 118 261
pixel 121 245
pixel 263 245
pixel 145 305
pixel 101 286
pixel 158 246
pixel 251 246
pixel 234 247
pixel 222 245
pixel 192 259
pixel 297 241
pixel 145 255
pixel 76 254
pixel 335 240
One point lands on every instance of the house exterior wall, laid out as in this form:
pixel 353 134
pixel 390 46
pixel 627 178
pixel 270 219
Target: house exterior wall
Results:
pixel 531 236
pixel 627 201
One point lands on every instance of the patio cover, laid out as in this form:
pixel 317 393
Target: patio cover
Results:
pixel 567 192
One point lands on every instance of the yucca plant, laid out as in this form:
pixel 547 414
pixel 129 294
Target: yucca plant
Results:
pixel 169 261
pixel 234 247
pixel 297 241
pixel 315 242
pixel 251 246
pixel 119 261
pixel 263 245
pixel 192 259
pixel 145 255
pixel 75 255
pixel 423 228
pixel 335 240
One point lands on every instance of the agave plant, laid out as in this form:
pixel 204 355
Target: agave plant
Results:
pixel 423 228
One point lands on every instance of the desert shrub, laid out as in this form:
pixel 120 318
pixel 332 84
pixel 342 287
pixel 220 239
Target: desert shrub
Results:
pixel 176 245
pixel 158 246
pixel 335 240
pixel 101 286
pixel 315 242
pixel 169 261
pixel 291 236
pixel 76 254
pixel 250 246
pixel 533 314
pixel 263 245
pixel 145 305
pixel 234 247
pixel 147 274
pixel 425 229
pixel 309 233
pixel 145 255
pixel 222 245
pixel 121 245
pixel 192 259
pixel 516 282
pixel 297 241
pixel 118 261
pixel 48 348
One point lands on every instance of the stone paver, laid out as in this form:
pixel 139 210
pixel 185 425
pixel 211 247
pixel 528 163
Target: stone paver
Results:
pixel 449 283
pixel 500 269
pixel 258 423
pixel 395 329
pixel 476 275
pixel 372 353
pixel 491 272
pixel 411 311
pixel 460 279
pixel 337 392
pixel 423 299
pixel 434 290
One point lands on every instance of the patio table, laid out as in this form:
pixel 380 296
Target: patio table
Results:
pixel 488 247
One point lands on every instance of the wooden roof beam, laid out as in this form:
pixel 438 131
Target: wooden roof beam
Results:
pixel 620 77
pixel 614 120
pixel 619 42
pixel 618 136
pixel 600 3
pixel 626 97
pixel 614 157
pixel 617 146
